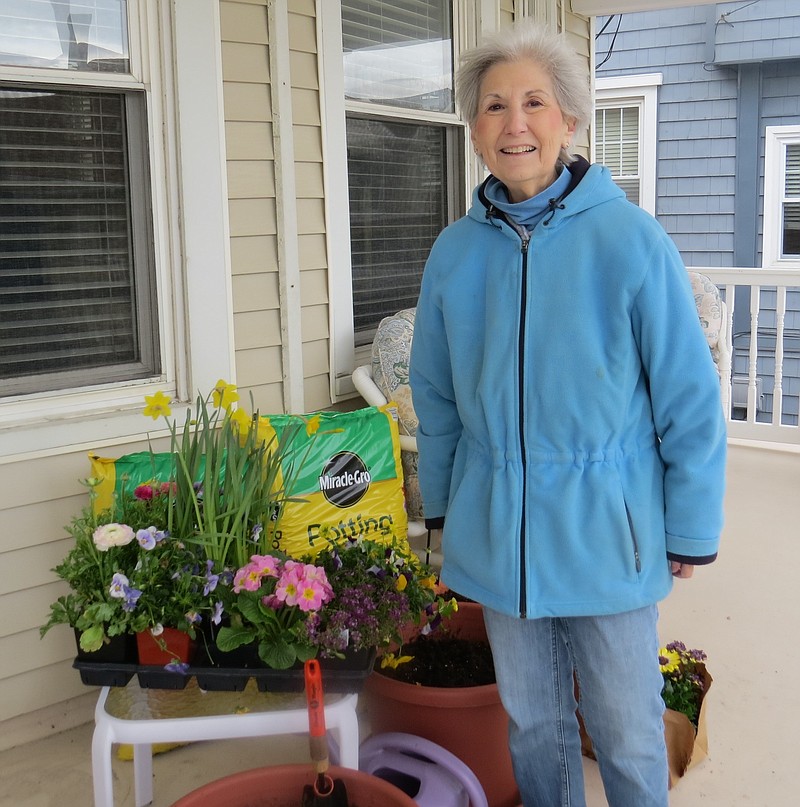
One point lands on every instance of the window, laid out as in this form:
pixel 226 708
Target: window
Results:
pixel 625 134
pixel 406 168
pixel 782 196
pixel 77 276
pixel 113 219
pixel 398 59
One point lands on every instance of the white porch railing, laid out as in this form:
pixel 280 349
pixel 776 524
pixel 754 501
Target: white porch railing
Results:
pixel 763 335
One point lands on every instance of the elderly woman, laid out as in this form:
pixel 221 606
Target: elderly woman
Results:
pixel 572 441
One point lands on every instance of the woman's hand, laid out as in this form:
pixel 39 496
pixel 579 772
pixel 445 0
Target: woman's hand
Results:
pixel 683 570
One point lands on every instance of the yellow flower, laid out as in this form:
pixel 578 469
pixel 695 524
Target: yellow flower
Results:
pixel 401 583
pixel 157 405
pixel 224 394
pixel 428 582
pixel 242 421
pixel 393 661
pixel 669 660
pixel 312 425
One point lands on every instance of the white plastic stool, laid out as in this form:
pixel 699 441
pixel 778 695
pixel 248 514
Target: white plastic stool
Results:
pixel 127 715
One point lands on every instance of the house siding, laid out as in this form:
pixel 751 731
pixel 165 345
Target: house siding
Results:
pixel 729 71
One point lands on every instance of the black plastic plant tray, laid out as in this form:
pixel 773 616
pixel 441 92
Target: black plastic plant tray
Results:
pixel 339 675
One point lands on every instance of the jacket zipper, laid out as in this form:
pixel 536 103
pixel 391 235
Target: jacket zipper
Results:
pixel 521 371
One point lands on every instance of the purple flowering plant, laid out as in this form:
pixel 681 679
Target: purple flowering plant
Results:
pixel 379 591
pixel 353 595
pixel 685 679
pixel 124 571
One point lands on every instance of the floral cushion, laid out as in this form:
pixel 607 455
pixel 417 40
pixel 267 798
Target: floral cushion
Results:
pixel 709 309
pixel 391 349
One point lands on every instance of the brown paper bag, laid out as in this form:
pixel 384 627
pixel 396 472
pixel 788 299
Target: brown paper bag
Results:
pixel 685 747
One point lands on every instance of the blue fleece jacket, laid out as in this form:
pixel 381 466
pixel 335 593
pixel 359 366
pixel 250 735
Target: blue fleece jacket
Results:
pixel 570 425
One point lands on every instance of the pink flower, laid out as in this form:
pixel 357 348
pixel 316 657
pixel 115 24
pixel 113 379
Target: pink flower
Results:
pixel 304 585
pixel 287 588
pixel 247 578
pixel 113 534
pixel 267 565
pixel 144 493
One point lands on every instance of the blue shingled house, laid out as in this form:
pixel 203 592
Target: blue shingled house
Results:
pixel 698 117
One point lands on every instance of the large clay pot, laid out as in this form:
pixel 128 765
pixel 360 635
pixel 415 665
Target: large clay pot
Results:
pixel 470 722
pixel 282 786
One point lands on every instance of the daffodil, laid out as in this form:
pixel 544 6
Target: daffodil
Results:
pixel 242 421
pixel 224 394
pixel 157 405
pixel 312 425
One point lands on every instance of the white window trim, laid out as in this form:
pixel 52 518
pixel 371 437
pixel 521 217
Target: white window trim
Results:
pixel 776 138
pixel 191 234
pixel 344 357
pixel 642 91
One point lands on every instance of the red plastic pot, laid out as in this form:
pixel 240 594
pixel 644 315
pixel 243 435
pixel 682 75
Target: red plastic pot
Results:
pixel 470 722
pixel 178 645
pixel 282 786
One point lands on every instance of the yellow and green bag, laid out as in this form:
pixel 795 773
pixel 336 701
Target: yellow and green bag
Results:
pixel 346 475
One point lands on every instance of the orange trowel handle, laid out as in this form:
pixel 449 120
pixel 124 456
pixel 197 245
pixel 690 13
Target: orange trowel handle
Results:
pixel 315 698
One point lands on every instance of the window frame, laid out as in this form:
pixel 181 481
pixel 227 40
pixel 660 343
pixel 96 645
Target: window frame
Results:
pixel 640 91
pixel 776 139
pixel 176 60
pixel 344 356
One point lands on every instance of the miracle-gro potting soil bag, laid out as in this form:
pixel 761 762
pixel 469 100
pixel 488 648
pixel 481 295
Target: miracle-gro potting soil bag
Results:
pixel 350 480
pixel 346 475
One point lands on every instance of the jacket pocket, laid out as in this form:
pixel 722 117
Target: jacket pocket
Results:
pixel 637 558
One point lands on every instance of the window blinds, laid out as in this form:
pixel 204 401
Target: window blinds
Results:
pixel 68 294
pixel 618 147
pixel 791 207
pixel 398 205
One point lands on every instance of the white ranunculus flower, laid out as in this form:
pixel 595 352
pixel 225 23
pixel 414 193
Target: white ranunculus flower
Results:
pixel 112 535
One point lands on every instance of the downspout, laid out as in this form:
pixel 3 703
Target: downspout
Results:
pixel 286 207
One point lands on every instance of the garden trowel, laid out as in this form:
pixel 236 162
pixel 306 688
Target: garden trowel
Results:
pixel 326 791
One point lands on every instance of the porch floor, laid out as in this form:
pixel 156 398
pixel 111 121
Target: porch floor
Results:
pixel 743 611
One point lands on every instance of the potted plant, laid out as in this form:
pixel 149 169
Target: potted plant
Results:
pixel 686 684
pixel 353 596
pixel 420 689
pixel 100 602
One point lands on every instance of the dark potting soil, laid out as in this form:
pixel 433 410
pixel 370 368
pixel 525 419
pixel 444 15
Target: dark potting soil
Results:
pixel 444 662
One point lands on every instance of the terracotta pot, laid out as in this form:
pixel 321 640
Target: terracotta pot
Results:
pixel 282 786
pixel 470 722
pixel 178 645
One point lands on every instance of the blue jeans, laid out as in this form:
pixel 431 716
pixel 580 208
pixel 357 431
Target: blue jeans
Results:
pixel 615 659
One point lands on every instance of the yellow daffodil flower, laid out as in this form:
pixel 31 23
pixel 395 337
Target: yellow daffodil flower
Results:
pixel 393 661
pixel 242 421
pixel 157 405
pixel 312 425
pixel 224 394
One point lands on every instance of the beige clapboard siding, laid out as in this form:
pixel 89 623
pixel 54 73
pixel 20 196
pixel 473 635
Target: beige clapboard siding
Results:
pixel 40 687
pixel 247 103
pixel 248 177
pixel 254 253
pixel 28 608
pixel 258 328
pixel 33 524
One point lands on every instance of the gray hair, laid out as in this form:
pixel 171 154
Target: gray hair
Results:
pixel 528 40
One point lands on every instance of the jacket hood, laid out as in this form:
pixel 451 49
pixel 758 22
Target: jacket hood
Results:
pixel 591 185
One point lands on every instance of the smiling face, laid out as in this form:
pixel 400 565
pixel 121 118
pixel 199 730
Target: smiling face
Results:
pixel 520 129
